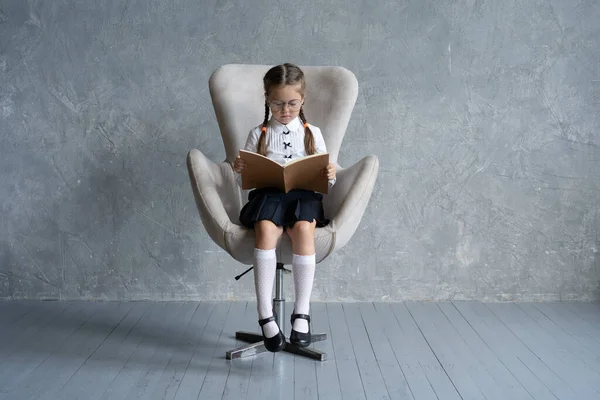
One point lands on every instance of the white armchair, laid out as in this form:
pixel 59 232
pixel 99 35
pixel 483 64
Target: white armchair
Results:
pixel 238 99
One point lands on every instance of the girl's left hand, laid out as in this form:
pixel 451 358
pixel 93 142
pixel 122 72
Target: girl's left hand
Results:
pixel 329 170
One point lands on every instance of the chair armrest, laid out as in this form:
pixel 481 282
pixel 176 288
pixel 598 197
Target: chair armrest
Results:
pixel 350 197
pixel 205 178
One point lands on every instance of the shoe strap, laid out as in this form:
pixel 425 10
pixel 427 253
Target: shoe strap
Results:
pixel 262 322
pixel 302 316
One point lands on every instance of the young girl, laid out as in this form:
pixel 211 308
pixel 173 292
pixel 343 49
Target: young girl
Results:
pixel 284 137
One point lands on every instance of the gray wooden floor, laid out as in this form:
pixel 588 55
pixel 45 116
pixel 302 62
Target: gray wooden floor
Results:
pixel 148 350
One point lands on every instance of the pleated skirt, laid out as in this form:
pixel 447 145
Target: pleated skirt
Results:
pixel 283 209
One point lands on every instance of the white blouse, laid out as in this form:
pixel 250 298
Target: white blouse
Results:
pixel 284 143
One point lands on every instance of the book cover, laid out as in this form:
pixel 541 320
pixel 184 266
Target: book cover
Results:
pixel 302 173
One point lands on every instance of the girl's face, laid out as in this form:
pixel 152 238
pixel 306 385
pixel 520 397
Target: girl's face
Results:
pixel 285 102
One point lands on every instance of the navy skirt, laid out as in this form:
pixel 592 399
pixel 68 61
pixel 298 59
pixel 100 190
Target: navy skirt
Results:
pixel 283 209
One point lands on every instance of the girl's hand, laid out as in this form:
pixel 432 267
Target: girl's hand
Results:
pixel 329 171
pixel 239 165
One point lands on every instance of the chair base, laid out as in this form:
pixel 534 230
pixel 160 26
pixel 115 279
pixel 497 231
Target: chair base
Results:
pixel 257 346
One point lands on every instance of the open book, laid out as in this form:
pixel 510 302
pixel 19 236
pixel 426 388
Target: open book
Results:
pixel 302 173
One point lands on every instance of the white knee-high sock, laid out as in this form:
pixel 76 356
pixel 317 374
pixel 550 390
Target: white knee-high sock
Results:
pixel 303 268
pixel 265 263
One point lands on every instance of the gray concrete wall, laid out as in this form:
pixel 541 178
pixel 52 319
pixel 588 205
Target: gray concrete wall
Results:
pixel 485 116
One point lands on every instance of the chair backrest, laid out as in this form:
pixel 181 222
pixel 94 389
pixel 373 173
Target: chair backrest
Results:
pixel 238 98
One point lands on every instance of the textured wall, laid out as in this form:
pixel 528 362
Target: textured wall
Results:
pixel 485 116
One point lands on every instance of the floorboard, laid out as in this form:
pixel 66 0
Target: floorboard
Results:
pixel 406 351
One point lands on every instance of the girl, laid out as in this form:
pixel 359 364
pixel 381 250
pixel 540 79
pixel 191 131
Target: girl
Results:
pixel 283 137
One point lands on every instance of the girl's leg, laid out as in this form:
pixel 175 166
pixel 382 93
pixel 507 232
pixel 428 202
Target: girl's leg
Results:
pixel 303 267
pixel 267 235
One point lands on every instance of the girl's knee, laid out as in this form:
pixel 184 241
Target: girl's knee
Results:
pixel 303 228
pixel 266 226
pixel 267 231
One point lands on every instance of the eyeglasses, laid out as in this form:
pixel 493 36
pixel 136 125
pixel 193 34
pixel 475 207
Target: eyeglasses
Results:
pixel 280 105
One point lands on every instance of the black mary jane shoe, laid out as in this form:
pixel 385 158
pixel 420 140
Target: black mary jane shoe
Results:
pixel 300 339
pixel 275 343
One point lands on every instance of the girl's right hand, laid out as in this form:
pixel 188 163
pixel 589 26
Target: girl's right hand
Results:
pixel 239 165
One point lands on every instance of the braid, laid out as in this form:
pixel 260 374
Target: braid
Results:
pixel 262 147
pixel 309 139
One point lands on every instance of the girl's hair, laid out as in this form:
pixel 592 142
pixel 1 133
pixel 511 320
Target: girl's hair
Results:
pixel 285 74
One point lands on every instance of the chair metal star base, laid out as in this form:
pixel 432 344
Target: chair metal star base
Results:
pixel 257 346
